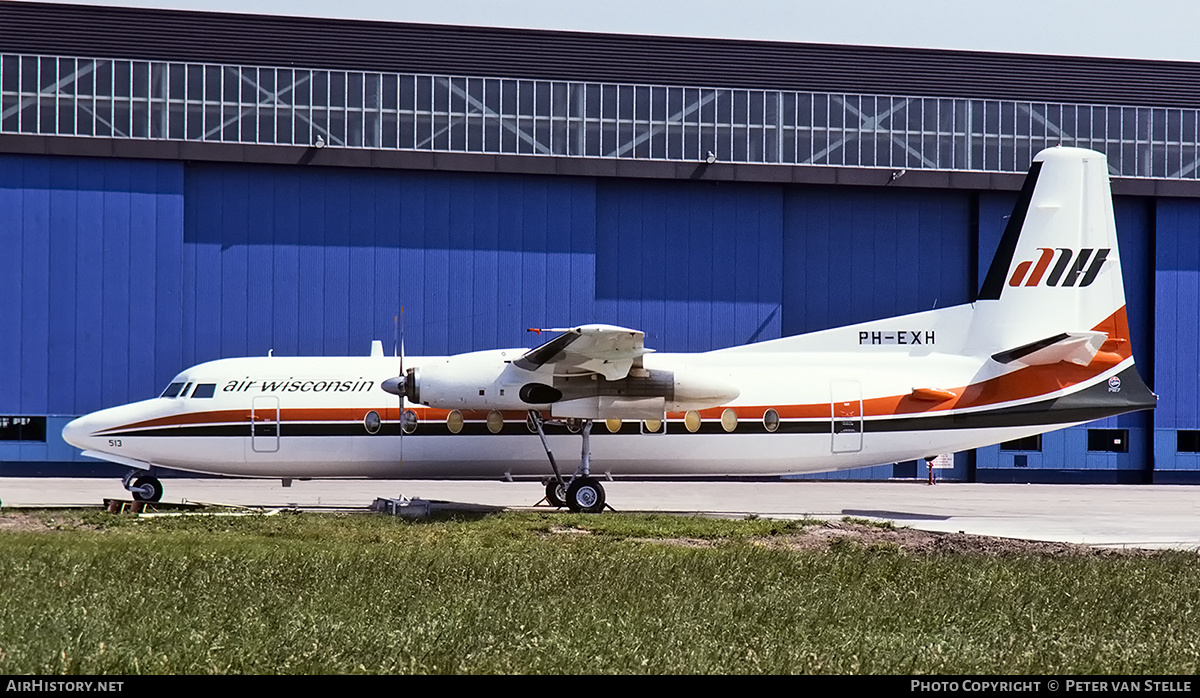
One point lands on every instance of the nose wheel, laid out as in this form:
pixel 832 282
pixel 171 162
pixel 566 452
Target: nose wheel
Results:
pixel 144 488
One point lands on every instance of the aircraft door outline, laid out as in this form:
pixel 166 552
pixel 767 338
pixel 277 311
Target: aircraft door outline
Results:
pixel 846 412
pixel 264 424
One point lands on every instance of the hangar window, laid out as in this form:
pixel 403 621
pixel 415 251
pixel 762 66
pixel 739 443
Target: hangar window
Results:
pixel 14 428
pixel 220 102
pixel 1108 440
pixel 1029 443
pixel 204 390
pixel 1187 441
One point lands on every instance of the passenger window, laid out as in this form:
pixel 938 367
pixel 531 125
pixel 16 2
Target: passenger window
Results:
pixel 204 390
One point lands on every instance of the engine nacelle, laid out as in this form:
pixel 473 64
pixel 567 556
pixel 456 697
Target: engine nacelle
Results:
pixel 698 390
pixel 487 381
pixel 481 380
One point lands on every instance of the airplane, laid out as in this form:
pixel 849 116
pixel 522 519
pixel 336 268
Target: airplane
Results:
pixel 1046 345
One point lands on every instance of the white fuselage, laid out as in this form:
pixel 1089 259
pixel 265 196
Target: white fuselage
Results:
pixel 322 405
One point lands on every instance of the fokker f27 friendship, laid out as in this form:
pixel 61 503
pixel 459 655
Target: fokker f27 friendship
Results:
pixel 1045 346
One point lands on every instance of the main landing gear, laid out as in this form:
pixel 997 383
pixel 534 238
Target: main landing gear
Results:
pixel 142 486
pixel 582 493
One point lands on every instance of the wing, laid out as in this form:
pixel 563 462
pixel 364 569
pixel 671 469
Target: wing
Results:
pixel 605 349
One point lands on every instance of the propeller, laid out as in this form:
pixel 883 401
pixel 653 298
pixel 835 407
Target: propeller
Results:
pixel 398 385
pixel 395 385
pixel 406 384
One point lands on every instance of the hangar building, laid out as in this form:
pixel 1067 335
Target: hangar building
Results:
pixel 180 186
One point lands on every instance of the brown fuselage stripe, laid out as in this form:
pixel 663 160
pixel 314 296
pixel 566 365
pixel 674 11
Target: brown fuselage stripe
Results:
pixel 1022 384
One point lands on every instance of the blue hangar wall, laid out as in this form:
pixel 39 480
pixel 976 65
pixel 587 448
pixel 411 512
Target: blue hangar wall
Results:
pixel 118 273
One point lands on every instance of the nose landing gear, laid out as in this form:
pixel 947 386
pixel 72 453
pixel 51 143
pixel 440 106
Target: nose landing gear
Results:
pixel 142 486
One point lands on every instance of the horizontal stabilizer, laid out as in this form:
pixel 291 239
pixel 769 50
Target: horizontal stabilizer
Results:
pixel 1074 347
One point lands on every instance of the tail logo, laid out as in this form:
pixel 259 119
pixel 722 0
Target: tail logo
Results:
pixel 1084 269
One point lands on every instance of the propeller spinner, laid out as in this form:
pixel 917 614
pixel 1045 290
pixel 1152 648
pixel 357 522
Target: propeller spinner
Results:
pixel 404 386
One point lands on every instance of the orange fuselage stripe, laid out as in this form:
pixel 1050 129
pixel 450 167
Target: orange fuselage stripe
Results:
pixel 1021 384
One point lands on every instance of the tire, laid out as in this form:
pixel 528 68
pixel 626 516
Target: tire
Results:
pixel 556 494
pixel 585 495
pixel 155 488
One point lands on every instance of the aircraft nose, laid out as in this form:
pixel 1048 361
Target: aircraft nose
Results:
pixel 78 431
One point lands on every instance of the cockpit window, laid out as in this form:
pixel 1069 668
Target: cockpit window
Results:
pixel 172 390
pixel 204 390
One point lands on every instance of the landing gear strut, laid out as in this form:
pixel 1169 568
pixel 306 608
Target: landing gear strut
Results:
pixel 143 487
pixel 582 493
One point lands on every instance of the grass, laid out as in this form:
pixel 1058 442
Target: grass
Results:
pixel 874 523
pixel 548 593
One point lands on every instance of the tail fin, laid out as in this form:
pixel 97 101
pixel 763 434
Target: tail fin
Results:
pixel 1053 292
pixel 1057 269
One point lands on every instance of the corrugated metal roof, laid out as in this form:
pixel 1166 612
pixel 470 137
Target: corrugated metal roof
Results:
pixel 406 47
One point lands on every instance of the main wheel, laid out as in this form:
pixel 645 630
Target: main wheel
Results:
pixel 556 493
pixel 585 495
pixel 147 489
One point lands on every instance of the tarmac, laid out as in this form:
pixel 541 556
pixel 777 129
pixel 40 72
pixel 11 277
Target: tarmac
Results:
pixel 1136 516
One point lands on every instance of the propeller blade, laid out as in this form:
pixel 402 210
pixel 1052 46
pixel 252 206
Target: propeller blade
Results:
pixel 396 385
